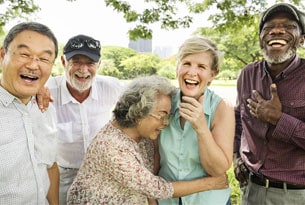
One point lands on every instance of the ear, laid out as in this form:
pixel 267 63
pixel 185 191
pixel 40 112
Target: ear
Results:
pixel 2 54
pixel 212 77
pixel 302 39
pixel 63 60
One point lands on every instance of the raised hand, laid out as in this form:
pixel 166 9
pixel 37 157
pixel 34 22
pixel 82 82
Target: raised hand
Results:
pixel 192 110
pixel 266 110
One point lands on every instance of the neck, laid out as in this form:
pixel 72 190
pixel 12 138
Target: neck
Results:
pixel 80 96
pixel 130 131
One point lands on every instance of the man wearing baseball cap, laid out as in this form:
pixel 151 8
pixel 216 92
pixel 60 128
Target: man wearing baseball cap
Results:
pixel 83 101
pixel 269 149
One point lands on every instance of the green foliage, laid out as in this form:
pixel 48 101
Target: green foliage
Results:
pixel 167 69
pixel 162 11
pixel 16 9
pixel 108 68
pixel 234 186
pixel 117 54
pixel 141 64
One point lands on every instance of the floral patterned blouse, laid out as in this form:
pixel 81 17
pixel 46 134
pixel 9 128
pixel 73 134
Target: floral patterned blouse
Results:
pixel 117 170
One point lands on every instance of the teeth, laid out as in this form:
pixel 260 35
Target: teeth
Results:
pixel 283 42
pixel 191 81
pixel 31 77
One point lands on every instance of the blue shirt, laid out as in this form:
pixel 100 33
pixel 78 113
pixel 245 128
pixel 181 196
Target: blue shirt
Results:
pixel 180 155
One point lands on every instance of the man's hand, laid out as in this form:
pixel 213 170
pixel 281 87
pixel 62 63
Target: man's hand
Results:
pixel 241 171
pixel 266 110
pixel 43 98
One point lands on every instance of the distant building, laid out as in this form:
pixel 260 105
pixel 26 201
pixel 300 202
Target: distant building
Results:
pixel 164 51
pixel 145 46
pixel 141 45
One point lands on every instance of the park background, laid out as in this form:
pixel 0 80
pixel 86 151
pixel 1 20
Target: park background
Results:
pixel 232 24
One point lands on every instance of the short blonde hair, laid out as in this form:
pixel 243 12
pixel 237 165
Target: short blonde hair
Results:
pixel 198 44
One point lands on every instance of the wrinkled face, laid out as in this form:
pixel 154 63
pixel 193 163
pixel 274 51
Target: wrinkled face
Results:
pixel 194 73
pixel 280 38
pixel 151 126
pixel 80 72
pixel 27 64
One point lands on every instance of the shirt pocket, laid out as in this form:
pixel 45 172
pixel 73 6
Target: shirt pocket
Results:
pixel 65 133
pixel 294 108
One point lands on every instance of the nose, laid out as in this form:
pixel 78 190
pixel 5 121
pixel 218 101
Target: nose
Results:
pixel 33 63
pixel 83 68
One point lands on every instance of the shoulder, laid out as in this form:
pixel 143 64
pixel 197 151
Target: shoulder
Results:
pixel 253 66
pixel 109 82
pixel 54 82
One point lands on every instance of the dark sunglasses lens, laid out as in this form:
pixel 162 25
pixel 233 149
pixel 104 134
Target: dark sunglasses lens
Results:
pixel 93 44
pixel 76 44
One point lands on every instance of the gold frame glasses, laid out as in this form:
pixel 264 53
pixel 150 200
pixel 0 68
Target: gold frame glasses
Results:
pixel 164 119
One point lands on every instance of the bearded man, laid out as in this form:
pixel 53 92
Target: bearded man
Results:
pixel 269 149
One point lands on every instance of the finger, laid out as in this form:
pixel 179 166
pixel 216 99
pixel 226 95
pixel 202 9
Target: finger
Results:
pixel 190 100
pixel 257 96
pixel 273 91
pixel 39 99
pixel 46 99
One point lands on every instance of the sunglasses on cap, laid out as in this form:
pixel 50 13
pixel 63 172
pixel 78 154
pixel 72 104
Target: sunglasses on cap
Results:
pixel 79 43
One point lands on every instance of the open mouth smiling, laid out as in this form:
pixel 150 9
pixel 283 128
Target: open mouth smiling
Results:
pixel 277 43
pixel 191 82
pixel 28 77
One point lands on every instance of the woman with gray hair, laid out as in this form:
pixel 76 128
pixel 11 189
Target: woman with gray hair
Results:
pixel 118 167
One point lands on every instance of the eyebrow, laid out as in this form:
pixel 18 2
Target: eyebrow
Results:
pixel 27 47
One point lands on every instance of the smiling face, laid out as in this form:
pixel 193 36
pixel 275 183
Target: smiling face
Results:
pixel 80 72
pixel 280 38
pixel 23 76
pixel 150 127
pixel 194 74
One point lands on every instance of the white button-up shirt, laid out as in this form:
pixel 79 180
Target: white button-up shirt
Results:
pixel 78 123
pixel 27 149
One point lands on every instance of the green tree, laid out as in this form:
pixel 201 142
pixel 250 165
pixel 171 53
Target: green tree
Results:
pixel 108 68
pixel 117 54
pixel 16 9
pixel 141 64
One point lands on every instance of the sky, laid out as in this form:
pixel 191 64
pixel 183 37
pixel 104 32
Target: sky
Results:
pixel 92 17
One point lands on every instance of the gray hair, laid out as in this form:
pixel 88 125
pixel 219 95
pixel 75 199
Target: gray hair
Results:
pixel 139 97
pixel 198 44
pixel 31 26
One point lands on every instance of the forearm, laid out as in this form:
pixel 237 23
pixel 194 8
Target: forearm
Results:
pixel 290 130
pixel 183 188
pixel 53 193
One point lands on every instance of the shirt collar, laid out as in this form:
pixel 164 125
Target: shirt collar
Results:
pixel 67 97
pixel 290 68
pixel 7 98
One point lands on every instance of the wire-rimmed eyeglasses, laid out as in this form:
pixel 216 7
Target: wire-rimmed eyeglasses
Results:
pixel 79 43
pixel 164 119
pixel 25 57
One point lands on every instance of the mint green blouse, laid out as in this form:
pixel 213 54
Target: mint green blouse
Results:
pixel 180 155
